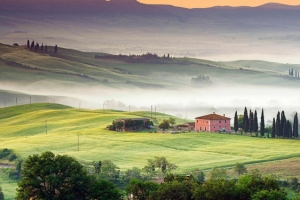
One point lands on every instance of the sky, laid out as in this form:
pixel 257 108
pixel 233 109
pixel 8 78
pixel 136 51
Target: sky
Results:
pixel 211 3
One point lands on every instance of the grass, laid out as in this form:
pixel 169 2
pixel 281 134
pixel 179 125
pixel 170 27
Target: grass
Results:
pixel 23 130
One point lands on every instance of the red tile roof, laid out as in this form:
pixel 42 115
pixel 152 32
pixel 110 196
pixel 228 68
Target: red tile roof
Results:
pixel 213 117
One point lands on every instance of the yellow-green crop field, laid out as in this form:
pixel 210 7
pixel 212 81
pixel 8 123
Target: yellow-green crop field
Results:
pixel 23 129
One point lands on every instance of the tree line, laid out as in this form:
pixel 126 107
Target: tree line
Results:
pixel 39 48
pixel 50 176
pixel 281 127
pixel 294 73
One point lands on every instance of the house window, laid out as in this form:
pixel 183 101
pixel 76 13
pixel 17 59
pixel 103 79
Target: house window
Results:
pixel 214 127
pixel 220 122
pixel 197 120
pixel 207 122
pixel 200 128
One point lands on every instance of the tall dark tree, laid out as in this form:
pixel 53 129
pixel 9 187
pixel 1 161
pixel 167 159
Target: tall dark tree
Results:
pixel 295 126
pixel 37 47
pixel 55 49
pixel 28 44
pixel 32 46
pixel 290 130
pixel 42 47
pixel 262 124
pixel 278 128
pixel 255 122
pixel 292 72
pixel 236 122
pixel 282 123
pixel 251 122
pixel 286 129
pixel 46 48
pixel 273 129
pixel 246 121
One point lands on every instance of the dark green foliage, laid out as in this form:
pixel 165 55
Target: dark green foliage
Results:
pixel 278 125
pixel 46 48
pixel 159 164
pixel 141 190
pixel 294 184
pixel 290 130
pixel 55 49
pixel 262 124
pixel 28 44
pixel 1 194
pixel 164 125
pixel 7 154
pixel 282 124
pixel 198 175
pixel 246 121
pixel 172 121
pixel 217 173
pixel 173 190
pixel 32 46
pixel 236 122
pixel 273 128
pixel 251 122
pixel 97 165
pixel 103 190
pixel 110 172
pixel 255 122
pixel 42 47
pixel 201 80
pixel 269 195
pixel 295 126
pixel 49 176
pixel 241 121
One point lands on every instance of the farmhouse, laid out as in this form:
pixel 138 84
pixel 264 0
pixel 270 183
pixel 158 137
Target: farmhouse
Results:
pixel 188 126
pixel 212 123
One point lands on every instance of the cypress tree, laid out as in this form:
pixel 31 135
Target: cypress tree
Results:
pixel 42 47
pixel 251 122
pixel 295 126
pixel 282 123
pixel 278 125
pixel 286 129
pixel 46 48
pixel 289 72
pixel 55 49
pixel 255 122
pixel 236 122
pixel 292 72
pixel 246 121
pixel 32 45
pixel 262 124
pixel 273 128
pixel 28 45
pixel 290 130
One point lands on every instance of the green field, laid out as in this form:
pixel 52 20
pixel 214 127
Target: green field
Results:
pixel 23 130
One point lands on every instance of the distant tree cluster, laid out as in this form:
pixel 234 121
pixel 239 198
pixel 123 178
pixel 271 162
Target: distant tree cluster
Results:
pixel 129 124
pixel 249 123
pixel 201 80
pixel 144 58
pixel 294 73
pixel 39 48
pixel 281 127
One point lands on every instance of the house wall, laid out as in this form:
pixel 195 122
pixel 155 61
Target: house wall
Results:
pixel 211 125
pixel 202 125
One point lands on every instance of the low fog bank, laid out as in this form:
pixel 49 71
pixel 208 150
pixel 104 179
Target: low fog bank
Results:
pixel 184 103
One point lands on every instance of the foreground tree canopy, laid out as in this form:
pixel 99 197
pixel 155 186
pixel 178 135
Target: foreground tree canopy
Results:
pixel 49 176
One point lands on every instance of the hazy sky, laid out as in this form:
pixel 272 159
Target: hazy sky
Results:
pixel 211 3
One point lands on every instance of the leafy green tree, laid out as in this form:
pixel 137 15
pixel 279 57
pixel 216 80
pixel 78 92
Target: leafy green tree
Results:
pixel 269 195
pixel 103 190
pixel 255 122
pixel 273 129
pixel 1 194
pixel 141 190
pixel 295 126
pixel 161 164
pixel 110 172
pixel 129 124
pixel 172 121
pixel 217 173
pixel 198 175
pixel 164 125
pixel 118 125
pixel 134 173
pixel 173 190
pixel 236 122
pixel 49 176
pixel 239 168
pixel 246 121
pixel 262 124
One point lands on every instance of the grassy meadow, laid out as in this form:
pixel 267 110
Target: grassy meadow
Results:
pixel 23 130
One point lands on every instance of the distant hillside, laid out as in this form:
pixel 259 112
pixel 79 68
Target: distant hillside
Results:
pixel 127 26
